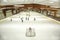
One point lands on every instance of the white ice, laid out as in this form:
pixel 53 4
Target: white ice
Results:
pixel 15 30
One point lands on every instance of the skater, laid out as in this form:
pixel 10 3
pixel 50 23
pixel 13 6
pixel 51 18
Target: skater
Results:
pixel 28 18
pixel 34 19
pixel 30 28
pixel 11 19
pixel 22 20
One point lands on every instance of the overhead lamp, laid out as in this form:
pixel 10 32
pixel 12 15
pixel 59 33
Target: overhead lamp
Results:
pixel 51 2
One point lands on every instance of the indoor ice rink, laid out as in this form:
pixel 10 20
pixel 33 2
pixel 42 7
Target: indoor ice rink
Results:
pixel 29 25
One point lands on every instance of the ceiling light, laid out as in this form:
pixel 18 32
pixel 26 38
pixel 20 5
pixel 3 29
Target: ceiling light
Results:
pixel 51 2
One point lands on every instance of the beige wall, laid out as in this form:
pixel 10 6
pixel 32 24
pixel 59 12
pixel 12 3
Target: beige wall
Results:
pixel 46 2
